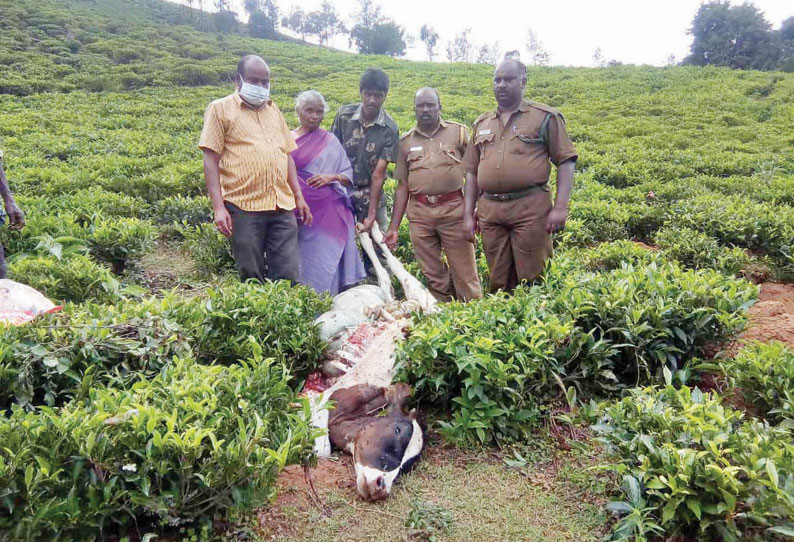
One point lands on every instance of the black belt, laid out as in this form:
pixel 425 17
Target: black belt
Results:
pixel 515 194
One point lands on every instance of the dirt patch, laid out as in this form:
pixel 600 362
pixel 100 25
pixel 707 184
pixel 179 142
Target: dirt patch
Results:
pixel 166 267
pixel 780 293
pixel 302 493
pixel 771 318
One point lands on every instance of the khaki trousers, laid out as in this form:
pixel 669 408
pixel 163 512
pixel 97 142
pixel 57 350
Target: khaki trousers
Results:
pixel 514 238
pixel 437 227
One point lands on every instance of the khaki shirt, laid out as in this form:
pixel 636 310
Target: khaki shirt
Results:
pixel 511 157
pixel 431 163
pixel 254 145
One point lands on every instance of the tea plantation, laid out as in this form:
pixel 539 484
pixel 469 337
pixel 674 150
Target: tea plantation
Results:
pixel 138 409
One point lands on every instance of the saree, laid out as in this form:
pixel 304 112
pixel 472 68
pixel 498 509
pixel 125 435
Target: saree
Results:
pixel 329 257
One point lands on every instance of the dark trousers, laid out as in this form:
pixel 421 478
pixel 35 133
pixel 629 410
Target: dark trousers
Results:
pixel 265 244
pixel 3 269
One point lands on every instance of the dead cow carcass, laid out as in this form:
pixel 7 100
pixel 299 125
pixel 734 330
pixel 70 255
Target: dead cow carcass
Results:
pixel 362 330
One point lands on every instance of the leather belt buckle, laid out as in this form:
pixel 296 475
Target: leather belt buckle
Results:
pixel 432 200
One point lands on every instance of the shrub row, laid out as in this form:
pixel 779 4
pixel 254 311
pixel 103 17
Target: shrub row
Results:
pixel 692 467
pixel 494 363
pixel 192 442
pixel 763 373
pixel 68 353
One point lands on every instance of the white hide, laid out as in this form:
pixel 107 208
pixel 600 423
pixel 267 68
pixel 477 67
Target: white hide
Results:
pixel 414 290
pixel 375 366
pixel 366 296
pixel 383 276
pixel 334 322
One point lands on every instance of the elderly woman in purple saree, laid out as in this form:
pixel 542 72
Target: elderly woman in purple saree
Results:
pixel 329 258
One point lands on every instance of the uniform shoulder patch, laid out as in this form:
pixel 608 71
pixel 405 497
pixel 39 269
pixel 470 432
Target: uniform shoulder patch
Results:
pixel 406 134
pixel 544 107
pixel 482 117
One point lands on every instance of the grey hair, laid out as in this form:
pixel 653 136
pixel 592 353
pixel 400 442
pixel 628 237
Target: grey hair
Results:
pixel 308 96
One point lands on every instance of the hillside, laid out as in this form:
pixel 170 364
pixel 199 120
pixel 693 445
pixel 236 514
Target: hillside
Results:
pixel 684 196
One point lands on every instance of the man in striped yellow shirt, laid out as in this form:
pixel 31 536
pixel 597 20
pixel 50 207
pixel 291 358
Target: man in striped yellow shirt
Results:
pixel 251 177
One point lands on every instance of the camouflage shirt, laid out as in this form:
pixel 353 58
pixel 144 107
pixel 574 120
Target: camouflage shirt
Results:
pixel 365 145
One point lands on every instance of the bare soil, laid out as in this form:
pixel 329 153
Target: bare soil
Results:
pixel 772 318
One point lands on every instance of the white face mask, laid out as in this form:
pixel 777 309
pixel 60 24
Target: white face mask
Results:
pixel 254 94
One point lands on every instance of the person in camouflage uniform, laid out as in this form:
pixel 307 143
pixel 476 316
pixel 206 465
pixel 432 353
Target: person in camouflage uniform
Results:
pixel 370 138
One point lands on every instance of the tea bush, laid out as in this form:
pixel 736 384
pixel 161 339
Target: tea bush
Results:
pixel 656 315
pixel 76 278
pixel 210 250
pixel 697 250
pixel 66 354
pixel 495 362
pixel 181 210
pixel 609 256
pixel 119 240
pixel 695 468
pixel 192 442
pixel 491 363
pixel 277 316
pixel 764 374
pixel 84 347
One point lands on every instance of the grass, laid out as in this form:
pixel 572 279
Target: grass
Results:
pixel 451 496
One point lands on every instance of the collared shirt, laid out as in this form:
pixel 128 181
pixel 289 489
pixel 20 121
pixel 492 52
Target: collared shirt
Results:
pixel 254 145
pixel 431 163
pixel 365 145
pixel 515 155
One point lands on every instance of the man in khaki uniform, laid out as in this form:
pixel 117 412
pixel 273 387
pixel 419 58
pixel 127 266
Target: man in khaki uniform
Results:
pixel 507 174
pixel 431 180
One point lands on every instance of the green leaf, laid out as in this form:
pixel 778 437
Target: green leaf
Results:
pixel 620 507
pixel 785 530
pixel 50 361
pixel 668 376
pixel 771 470
pixel 694 505
pixel 28 476
pixel 668 512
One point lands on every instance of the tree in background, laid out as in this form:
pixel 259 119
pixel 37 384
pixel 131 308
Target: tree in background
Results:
pixel 734 36
pixel 325 23
pixel 429 37
pixel 374 34
pixel 598 58
pixel 489 54
pixel 786 34
pixel 262 18
pixel 538 55
pixel 459 49
pixel 225 19
pixel 296 21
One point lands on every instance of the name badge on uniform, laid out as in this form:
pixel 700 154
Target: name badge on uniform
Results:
pixel 415 149
pixel 483 132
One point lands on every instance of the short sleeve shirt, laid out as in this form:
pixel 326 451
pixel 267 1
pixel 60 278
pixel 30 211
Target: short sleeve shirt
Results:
pixel 516 155
pixel 254 145
pixel 432 163
pixel 365 145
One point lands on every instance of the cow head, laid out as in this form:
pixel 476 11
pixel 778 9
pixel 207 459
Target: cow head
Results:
pixel 386 446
